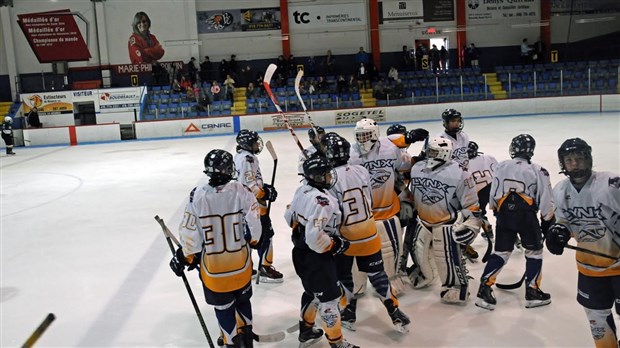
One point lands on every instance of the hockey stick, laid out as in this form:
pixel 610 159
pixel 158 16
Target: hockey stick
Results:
pixel 169 238
pixel 271 69
pixel 591 252
pixel 300 74
pixel 511 286
pixel 39 330
pixel 273 154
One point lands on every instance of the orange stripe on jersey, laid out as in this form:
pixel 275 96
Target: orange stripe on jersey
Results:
pixel 384 213
pixel 528 200
pixel 228 271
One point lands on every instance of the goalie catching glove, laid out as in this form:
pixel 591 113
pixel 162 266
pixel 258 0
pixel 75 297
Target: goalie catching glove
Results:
pixel 466 227
pixel 557 238
pixel 178 262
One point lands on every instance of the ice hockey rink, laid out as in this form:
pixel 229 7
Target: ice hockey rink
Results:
pixel 78 239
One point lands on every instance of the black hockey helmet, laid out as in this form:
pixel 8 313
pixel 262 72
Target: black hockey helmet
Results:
pixel 316 170
pixel 450 114
pixel 219 166
pixel 246 140
pixel 522 146
pixel 472 150
pixel 337 149
pixel 396 128
pixel 575 146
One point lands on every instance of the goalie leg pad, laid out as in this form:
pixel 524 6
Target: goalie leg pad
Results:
pixel 451 271
pixel 602 327
pixel 424 270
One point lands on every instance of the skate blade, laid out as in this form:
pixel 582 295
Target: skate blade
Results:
pixel 536 303
pixel 348 325
pixel 271 280
pixel 308 343
pixel 401 328
pixel 484 305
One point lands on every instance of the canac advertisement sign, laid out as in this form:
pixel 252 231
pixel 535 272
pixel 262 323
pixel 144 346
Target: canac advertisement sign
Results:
pixel 119 99
pixel 48 103
pixel 220 125
pixel 54 36
pixel 354 115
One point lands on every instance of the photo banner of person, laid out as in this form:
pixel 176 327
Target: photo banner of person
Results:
pixel 254 19
pixel 54 36
pixel 49 103
pixel 144 48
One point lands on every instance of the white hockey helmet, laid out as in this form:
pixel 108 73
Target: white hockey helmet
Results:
pixel 438 152
pixel 366 134
pixel 8 119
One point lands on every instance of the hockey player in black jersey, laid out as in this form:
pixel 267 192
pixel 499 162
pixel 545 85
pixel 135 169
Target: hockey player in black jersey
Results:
pixel 7 135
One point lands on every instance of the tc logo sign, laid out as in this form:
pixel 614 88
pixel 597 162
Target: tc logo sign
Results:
pixel 302 18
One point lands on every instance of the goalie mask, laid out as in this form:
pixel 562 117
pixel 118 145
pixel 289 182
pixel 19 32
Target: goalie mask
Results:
pixel 522 146
pixel 250 141
pixel 219 166
pixel 579 154
pixel 438 153
pixel 449 115
pixel 366 134
pixel 319 172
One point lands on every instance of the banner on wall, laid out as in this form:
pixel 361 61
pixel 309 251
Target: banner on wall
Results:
pixel 119 99
pixel 220 125
pixel 49 103
pixel 394 11
pixel 253 19
pixel 132 69
pixel 326 16
pixel 439 10
pixel 354 115
pixel 54 36
pixel 480 11
pixel 274 122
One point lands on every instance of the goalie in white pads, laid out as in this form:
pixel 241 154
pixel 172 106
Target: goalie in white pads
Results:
pixel 519 190
pixel 358 226
pixel 250 144
pixel 382 158
pixel 588 209
pixel 448 218
pixel 315 217
pixel 220 224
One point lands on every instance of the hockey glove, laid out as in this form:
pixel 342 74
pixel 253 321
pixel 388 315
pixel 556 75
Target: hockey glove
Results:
pixel 178 263
pixel 270 193
pixel 414 135
pixel 545 225
pixel 557 238
pixel 463 235
pixel 265 222
pixel 340 245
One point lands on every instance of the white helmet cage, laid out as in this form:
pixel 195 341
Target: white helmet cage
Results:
pixel 438 152
pixel 366 134
pixel 8 119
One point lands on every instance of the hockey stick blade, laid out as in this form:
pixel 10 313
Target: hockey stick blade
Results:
pixel 300 74
pixel 591 252
pixel 274 337
pixel 39 330
pixel 511 286
pixel 292 328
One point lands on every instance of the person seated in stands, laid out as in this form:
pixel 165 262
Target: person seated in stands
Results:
pixel 342 85
pixel 251 92
pixel 229 87
pixel 185 84
pixel 353 83
pixel 378 91
pixel 176 86
pixel 216 91
pixel 362 75
pixel 398 92
pixel 322 86
pixel 393 73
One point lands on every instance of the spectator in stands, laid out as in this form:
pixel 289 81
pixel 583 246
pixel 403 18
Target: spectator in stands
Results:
pixel 322 86
pixel 251 92
pixel 247 76
pixel 419 55
pixel 398 92
pixel 539 51
pixel 443 58
pixel 474 55
pixel 176 86
pixel 258 84
pixel 216 91
pixel 465 61
pixel 33 118
pixel 330 63
pixel 393 73
pixel 159 75
pixel 353 83
pixel 229 87
pixel 310 68
pixel 362 57
pixel 205 69
pixel 362 75
pixel 434 55
pixel 184 85
pixel 526 51
pixel 143 46
pixel 282 65
pixel 192 70
pixel 342 85
pixel 233 68
pixel 405 60
pixel 223 69
pixel 292 66
pixel 378 92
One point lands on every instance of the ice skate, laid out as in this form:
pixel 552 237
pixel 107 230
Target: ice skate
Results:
pixel 486 299
pixel 268 274
pixel 347 317
pixel 400 320
pixel 343 344
pixel 534 297
pixel 470 253
pixel 308 335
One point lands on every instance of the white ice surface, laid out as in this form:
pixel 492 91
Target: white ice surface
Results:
pixel 78 239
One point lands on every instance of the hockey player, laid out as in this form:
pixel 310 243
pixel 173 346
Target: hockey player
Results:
pixel 481 168
pixel 315 217
pixel 7 135
pixel 453 130
pixel 358 227
pixel 211 237
pixel 448 217
pixel 250 144
pixel 382 158
pixel 519 190
pixel 315 148
pixel 587 209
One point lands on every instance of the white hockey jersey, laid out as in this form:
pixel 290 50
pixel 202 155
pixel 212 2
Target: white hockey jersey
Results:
pixel 352 190
pixel 249 174
pixel 593 217
pixel 481 169
pixel 459 147
pixel 439 194
pixel 318 212
pixel 214 223
pixel 529 180
pixel 382 162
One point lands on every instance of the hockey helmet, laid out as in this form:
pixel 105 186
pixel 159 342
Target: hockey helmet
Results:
pixel 246 140
pixel 396 128
pixel 579 147
pixel 522 146
pixel 447 116
pixel 366 134
pixel 438 152
pixel 337 149
pixel 319 172
pixel 219 166
pixel 472 150
pixel 8 119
